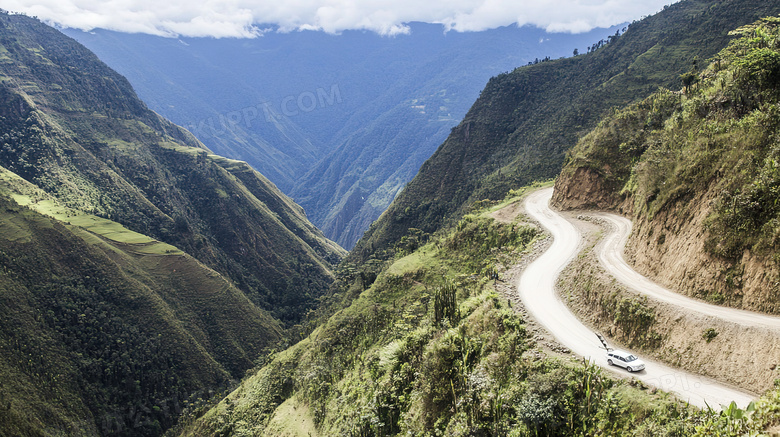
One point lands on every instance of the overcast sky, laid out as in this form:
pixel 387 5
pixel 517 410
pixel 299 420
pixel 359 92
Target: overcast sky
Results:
pixel 248 18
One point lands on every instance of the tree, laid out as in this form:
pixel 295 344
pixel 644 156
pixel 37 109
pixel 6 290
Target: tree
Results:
pixel 689 79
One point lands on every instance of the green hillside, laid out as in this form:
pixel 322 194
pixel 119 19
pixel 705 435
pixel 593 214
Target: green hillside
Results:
pixel 524 121
pixel 431 348
pixel 105 331
pixel 141 273
pixel 75 128
pixel 704 161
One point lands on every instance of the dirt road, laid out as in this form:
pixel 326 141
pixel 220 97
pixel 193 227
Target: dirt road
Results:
pixel 611 256
pixel 537 290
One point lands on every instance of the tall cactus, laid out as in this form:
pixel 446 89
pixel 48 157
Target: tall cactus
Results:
pixel 445 304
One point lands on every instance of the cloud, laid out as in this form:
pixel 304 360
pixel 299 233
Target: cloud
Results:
pixel 250 18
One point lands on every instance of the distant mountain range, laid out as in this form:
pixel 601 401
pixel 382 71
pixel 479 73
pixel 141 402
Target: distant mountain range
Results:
pixel 339 122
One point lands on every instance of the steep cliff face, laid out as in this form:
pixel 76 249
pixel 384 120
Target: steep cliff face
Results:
pixel 698 172
pixel 586 188
pixel 672 247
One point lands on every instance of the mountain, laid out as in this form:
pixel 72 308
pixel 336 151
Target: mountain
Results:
pixel 432 346
pixel 141 273
pixel 339 122
pixel 697 170
pixel 193 84
pixel 107 332
pixel 522 124
pixel 95 146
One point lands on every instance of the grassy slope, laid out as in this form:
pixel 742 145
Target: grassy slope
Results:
pixel 103 333
pixel 524 121
pixel 389 365
pixel 703 160
pixel 75 128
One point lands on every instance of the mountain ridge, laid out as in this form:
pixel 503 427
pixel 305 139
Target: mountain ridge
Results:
pixel 149 175
pixel 368 110
pixel 524 121
pixel 141 273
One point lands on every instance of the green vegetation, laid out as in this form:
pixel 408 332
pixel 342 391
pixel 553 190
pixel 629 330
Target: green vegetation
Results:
pixel 709 334
pixel 524 121
pixel 95 148
pixel 26 194
pixel 98 337
pixel 141 275
pixel 715 140
pixel 404 358
pixel 359 370
pixel 429 348
pixel 758 417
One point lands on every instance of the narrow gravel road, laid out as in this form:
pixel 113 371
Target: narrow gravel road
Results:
pixel 611 256
pixel 537 290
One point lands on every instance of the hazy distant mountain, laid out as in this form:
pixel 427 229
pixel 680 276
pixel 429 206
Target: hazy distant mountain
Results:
pixel 340 122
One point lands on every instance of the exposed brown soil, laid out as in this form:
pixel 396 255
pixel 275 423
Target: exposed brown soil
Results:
pixel 746 357
pixel 670 248
pixel 584 188
pixel 509 213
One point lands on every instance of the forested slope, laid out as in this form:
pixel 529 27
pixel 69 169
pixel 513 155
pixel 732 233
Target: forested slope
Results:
pixel 104 331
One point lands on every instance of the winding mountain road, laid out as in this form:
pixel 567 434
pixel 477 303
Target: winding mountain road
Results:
pixel 537 290
pixel 611 256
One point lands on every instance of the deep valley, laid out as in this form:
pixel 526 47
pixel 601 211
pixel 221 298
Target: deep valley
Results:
pixel 159 280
